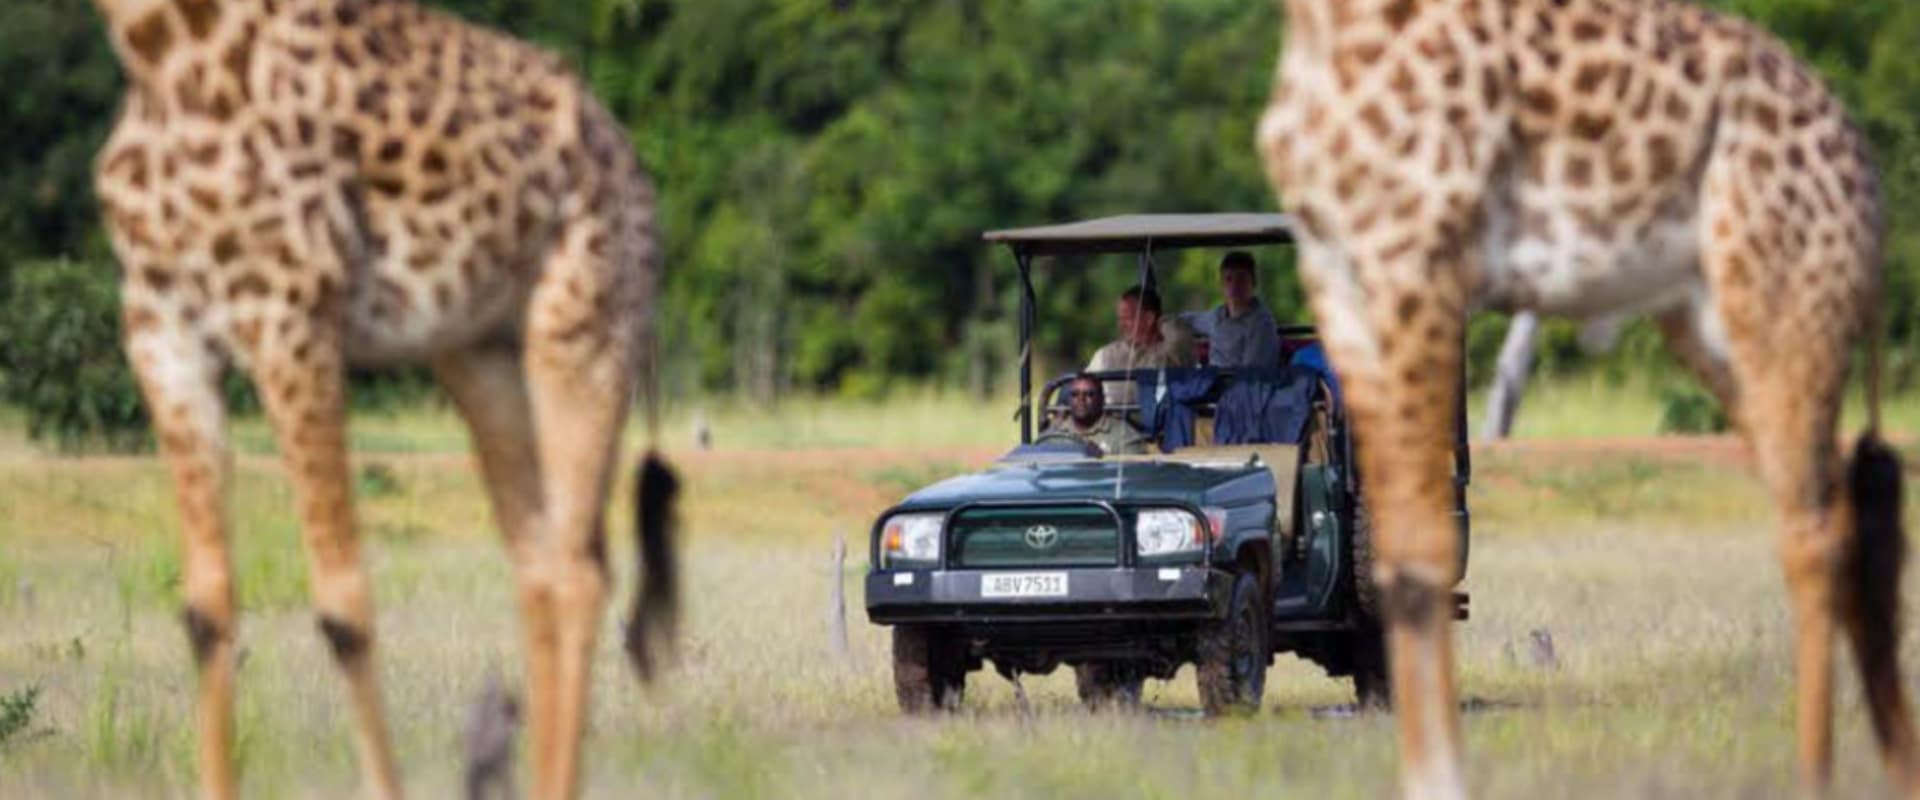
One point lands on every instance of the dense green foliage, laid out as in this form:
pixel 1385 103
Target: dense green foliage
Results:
pixel 59 338
pixel 827 165
pixel 836 162
pixel 63 85
pixel 16 714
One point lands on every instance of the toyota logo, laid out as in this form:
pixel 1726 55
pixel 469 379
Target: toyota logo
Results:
pixel 1043 537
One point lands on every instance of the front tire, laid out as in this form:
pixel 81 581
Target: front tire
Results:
pixel 1234 653
pixel 1372 678
pixel 1366 595
pixel 929 670
pixel 1108 684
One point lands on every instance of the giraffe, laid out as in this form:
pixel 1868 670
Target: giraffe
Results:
pixel 294 187
pixel 1593 159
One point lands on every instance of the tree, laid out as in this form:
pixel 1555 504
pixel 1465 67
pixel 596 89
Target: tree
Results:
pixel 826 166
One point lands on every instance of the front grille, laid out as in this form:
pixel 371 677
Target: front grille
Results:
pixel 1071 536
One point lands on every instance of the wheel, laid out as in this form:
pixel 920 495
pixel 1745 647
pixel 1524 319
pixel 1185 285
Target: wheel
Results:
pixel 1367 648
pixel 1372 680
pixel 1108 684
pixel 1366 596
pixel 1057 435
pixel 929 671
pixel 1234 653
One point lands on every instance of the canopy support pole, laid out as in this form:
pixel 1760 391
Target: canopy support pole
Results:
pixel 1025 260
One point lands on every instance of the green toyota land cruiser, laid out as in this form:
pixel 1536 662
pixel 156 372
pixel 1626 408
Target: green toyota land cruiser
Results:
pixel 1239 536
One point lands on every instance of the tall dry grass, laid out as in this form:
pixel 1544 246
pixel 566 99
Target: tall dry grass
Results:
pixel 1655 577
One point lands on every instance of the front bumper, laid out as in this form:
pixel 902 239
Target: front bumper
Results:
pixel 1093 595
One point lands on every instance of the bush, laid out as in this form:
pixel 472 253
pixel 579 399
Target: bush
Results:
pixel 16 714
pixel 386 389
pixel 1686 408
pixel 60 357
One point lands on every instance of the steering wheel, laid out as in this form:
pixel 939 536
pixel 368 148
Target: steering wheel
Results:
pixel 1059 435
pixel 1063 434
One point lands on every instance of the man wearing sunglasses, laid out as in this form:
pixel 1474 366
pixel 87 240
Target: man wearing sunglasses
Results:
pixel 1088 421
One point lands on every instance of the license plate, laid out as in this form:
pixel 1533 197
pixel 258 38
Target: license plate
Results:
pixel 1024 584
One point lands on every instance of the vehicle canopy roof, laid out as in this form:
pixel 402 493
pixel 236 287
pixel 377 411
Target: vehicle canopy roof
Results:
pixel 1131 233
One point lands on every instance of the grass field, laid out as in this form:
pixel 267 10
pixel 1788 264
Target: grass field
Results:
pixel 1579 407
pixel 1652 569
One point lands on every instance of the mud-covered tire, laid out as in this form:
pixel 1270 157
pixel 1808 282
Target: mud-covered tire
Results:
pixel 1108 684
pixel 1372 677
pixel 929 671
pixel 1366 596
pixel 1234 653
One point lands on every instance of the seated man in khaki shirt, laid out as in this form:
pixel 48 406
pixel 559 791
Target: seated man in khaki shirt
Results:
pixel 1146 341
pixel 1087 420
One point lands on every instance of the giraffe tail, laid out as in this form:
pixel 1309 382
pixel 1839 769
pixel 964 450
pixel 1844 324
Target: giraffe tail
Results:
pixel 1871 588
pixel 656 601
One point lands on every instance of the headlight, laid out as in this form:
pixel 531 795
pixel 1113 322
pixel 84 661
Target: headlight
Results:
pixel 1164 531
pixel 1170 531
pixel 911 539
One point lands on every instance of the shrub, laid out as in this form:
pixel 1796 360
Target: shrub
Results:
pixel 1687 408
pixel 60 358
pixel 16 714
pixel 390 388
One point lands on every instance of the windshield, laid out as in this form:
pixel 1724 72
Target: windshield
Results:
pixel 1080 319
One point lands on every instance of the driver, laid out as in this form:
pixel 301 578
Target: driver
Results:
pixel 1087 420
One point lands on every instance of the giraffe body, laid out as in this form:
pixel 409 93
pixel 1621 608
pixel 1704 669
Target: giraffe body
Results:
pixel 1595 160
pixel 435 166
pixel 296 186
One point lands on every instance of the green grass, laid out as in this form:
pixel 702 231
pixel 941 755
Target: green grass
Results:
pixel 1583 406
pixel 908 418
pixel 1595 405
pixel 1672 683
pixel 1593 491
pixel 1655 575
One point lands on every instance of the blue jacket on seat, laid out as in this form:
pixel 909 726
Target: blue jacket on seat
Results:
pixel 1170 416
pixel 1314 357
pixel 1265 407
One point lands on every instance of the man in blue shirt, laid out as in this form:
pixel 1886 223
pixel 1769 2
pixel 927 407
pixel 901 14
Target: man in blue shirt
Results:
pixel 1240 332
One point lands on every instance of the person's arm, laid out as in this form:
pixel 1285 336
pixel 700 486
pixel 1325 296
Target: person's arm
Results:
pixel 1180 342
pixel 1264 347
pixel 1131 442
pixel 1107 358
pixel 1099 360
pixel 1201 322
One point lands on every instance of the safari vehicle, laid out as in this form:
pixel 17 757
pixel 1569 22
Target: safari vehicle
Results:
pixel 1231 543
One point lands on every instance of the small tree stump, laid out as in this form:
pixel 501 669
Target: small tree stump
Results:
pixel 837 607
